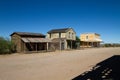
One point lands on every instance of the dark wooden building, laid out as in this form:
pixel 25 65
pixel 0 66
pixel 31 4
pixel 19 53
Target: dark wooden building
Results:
pixel 26 41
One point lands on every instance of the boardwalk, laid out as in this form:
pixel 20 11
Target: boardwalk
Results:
pixel 61 65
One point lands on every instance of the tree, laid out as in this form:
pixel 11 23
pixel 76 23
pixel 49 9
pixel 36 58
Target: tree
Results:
pixel 77 38
pixel 77 42
pixel 6 46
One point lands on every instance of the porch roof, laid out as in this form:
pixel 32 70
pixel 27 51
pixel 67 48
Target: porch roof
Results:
pixel 28 34
pixel 95 40
pixel 58 39
pixel 35 40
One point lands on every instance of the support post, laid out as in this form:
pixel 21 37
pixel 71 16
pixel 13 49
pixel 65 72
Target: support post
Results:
pixel 24 47
pixel 60 44
pixel 87 44
pixel 97 44
pixel 36 46
pixel 83 44
pixel 47 46
pixel 92 44
pixel 71 44
pixel 66 44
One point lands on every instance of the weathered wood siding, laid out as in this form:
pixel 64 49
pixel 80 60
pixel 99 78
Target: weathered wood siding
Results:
pixel 91 37
pixel 70 35
pixel 17 41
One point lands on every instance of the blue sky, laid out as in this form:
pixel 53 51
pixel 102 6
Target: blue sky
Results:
pixel 99 16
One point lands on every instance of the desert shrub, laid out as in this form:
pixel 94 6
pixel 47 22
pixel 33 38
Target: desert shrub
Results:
pixel 6 46
pixel 107 45
pixel 3 45
pixel 111 45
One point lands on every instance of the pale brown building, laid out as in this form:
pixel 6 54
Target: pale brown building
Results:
pixel 26 41
pixel 90 40
pixel 62 38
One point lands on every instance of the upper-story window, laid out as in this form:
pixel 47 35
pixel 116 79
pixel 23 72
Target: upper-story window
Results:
pixel 59 35
pixel 86 37
pixel 50 35
pixel 72 35
pixel 69 35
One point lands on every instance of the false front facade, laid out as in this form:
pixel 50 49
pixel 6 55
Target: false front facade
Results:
pixel 90 40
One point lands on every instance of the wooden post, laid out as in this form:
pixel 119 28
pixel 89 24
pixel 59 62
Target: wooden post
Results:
pixel 36 46
pixel 47 46
pixel 60 44
pixel 24 47
pixel 83 45
pixel 92 44
pixel 71 44
pixel 87 44
pixel 97 44
pixel 66 44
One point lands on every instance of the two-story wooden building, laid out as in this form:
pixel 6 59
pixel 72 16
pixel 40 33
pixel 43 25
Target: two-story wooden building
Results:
pixel 62 38
pixel 90 40
pixel 26 41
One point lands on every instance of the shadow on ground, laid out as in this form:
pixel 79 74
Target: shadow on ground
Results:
pixel 108 69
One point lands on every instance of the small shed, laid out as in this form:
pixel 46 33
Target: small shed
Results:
pixel 26 41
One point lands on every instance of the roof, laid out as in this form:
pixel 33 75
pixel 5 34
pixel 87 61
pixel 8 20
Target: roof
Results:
pixel 99 40
pixel 35 40
pixel 63 30
pixel 27 34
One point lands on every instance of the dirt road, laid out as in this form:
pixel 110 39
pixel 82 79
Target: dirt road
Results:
pixel 60 65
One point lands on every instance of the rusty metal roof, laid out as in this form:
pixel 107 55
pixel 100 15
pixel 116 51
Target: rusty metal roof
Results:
pixel 28 34
pixel 36 40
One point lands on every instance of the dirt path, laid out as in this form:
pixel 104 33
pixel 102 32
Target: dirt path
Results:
pixel 61 65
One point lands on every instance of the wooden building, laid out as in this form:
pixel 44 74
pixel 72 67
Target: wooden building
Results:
pixel 62 38
pixel 90 40
pixel 26 41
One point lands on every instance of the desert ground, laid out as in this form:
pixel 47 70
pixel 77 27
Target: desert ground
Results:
pixel 59 65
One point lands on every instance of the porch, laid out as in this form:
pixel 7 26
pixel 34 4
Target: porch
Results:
pixel 89 44
pixel 63 44
pixel 35 44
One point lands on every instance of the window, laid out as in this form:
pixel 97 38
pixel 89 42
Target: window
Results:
pixel 50 35
pixel 86 37
pixel 72 35
pixel 59 35
pixel 69 35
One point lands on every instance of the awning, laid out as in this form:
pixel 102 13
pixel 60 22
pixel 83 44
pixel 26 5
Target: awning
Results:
pixel 99 40
pixel 35 40
pixel 95 40
pixel 58 39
